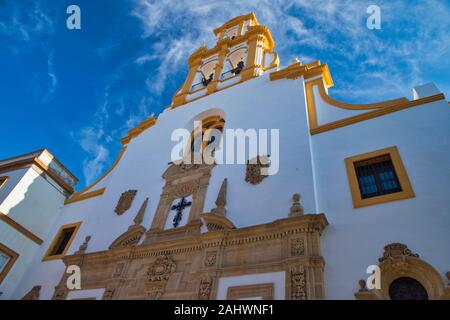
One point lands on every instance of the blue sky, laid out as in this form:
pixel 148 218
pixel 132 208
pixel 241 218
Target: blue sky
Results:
pixel 77 93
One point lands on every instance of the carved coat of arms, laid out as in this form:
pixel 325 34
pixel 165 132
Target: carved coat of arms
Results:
pixel 257 169
pixel 125 201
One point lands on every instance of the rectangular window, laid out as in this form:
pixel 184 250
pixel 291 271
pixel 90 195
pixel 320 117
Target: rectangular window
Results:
pixel 62 241
pixel 378 177
pixel 7 258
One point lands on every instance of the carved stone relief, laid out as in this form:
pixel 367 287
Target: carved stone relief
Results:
pixel 204 290
pixel 298 283
pixel 297 247
pixel 210 259
pixel 257 169
pixel 190 267
pixel 125 201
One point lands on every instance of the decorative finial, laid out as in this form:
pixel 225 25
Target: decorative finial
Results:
pixel 221 200
pixel 83 247
pixel 362 285
pixel 296 208
pixel 140 215
pixel 296 61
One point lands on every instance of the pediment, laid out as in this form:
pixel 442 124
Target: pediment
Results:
pixel 129 238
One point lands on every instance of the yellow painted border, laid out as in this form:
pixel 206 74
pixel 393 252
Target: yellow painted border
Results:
pixel 375 109
pixel 14 256
pixel 20 228
pixel 83 194
pixel 407 190
pixel 47 255
pixel 3 180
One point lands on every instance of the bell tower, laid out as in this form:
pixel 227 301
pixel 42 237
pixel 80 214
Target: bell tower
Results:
pixel 244 50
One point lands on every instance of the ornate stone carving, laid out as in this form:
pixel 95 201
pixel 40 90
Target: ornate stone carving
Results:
pixel 298 283
pixel 33 294
pixel 173 269
pixel 125 201
pixel 158 274
pixel 204 290
pixel 161 269
pixel 257 169
pixel 297 247
pixel 210 259
pixel 83 246
pixel 296 208
pixel 221 200
pixel 396 250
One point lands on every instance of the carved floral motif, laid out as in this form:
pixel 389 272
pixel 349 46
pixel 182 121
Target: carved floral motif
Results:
pixel 298 283
pixel 297 247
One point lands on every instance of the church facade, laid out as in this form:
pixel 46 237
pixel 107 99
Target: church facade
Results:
pixel 342 188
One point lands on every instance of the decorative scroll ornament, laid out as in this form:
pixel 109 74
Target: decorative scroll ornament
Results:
pixel 125 201
pixel 204 290
pixel 397 250
pixel 298 283
pixel 257 169
pixel 33 294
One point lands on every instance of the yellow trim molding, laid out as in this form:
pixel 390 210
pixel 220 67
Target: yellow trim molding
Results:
pixel 83 194
pixel 375 109
pixel 407 190
pixel 13 257
pixel 27 233
pixel 48 255
pixel 3 180
pixel 134 132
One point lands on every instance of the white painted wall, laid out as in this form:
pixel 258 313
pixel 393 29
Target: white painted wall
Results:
pixel 33 202
pixel 355 237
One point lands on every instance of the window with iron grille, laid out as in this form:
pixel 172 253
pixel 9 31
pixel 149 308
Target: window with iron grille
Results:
pixel 377 176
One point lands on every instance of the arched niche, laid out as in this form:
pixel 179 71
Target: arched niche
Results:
pixel 398 262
